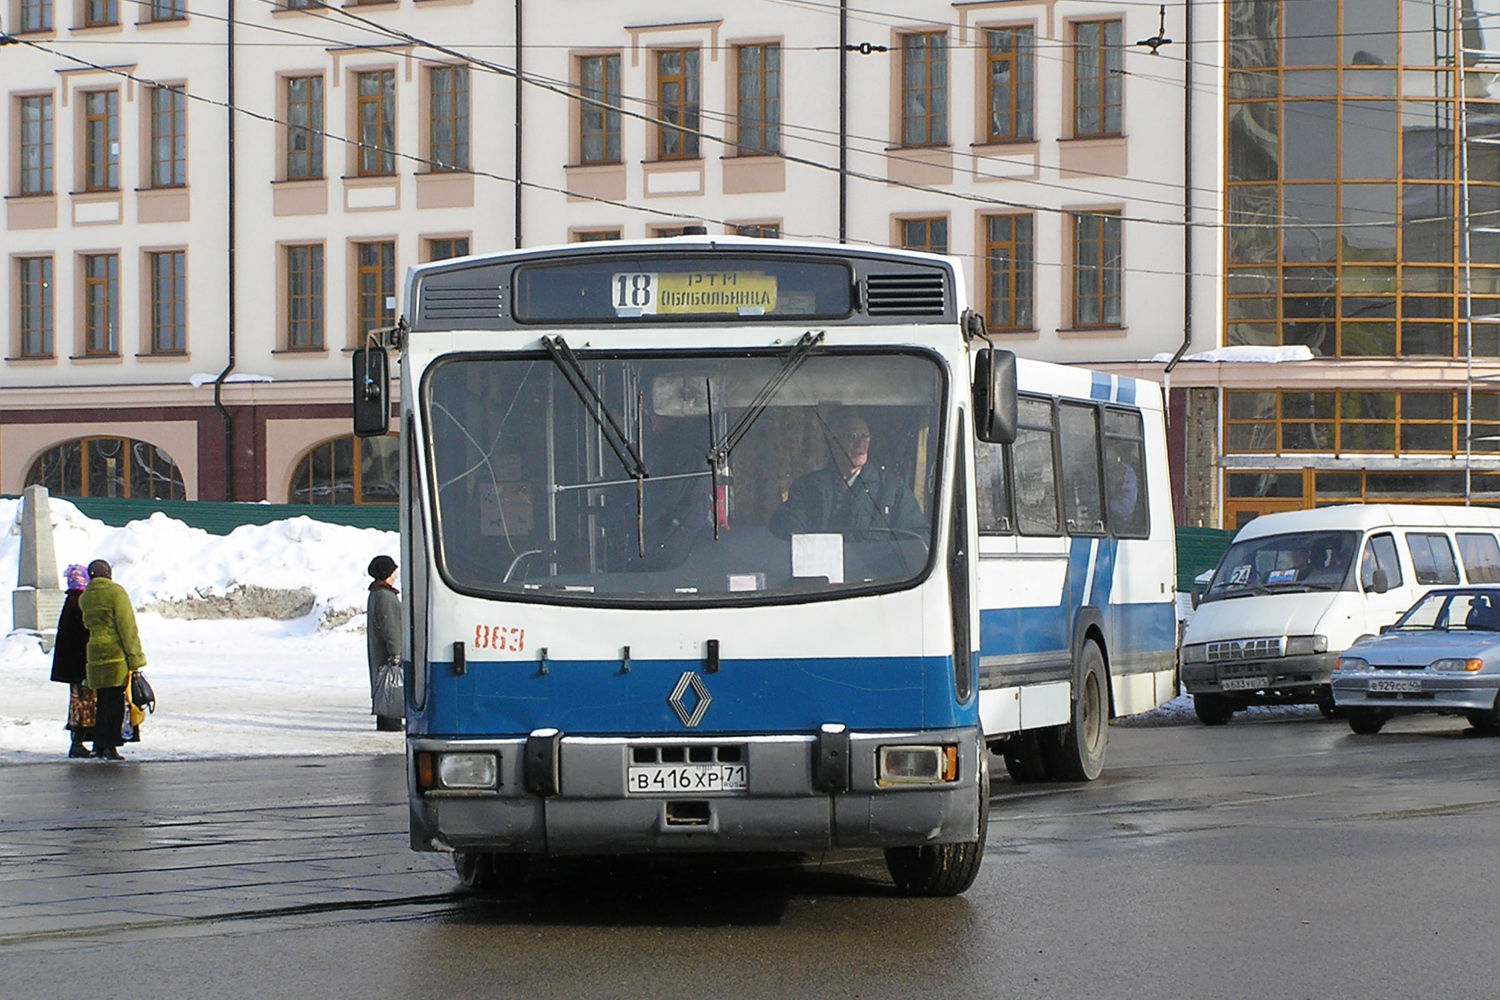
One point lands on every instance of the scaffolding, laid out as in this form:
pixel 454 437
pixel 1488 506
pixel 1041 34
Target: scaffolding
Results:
pixel 1477 65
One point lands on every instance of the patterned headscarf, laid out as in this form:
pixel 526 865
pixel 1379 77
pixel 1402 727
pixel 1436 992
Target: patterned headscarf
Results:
pixel 77 576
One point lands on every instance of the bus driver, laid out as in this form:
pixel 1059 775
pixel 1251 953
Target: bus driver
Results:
pixel 849 493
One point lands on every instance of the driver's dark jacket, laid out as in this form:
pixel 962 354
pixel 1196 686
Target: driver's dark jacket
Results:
pixel 822 502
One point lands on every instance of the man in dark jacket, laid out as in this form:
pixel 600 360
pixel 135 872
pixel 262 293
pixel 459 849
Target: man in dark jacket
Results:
pixel 383 644
pixel 849 494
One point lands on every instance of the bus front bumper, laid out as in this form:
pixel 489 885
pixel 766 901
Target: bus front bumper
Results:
pixel 799 793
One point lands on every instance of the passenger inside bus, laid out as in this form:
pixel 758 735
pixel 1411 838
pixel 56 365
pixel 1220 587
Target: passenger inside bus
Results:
pixel 849 494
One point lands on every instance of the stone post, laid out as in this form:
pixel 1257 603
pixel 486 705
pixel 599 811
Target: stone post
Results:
pixel 37 601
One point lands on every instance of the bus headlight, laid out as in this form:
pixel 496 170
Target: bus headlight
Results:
pixel 917 765
pixel 467 771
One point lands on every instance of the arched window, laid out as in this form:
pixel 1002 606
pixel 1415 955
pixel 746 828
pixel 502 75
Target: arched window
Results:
pixel 108 467
pixel 330 473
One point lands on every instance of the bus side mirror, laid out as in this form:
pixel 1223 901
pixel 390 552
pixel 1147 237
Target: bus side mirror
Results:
pixel 372 392
pixel 995 396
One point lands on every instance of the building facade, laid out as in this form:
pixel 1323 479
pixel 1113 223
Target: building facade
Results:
pixel 209 204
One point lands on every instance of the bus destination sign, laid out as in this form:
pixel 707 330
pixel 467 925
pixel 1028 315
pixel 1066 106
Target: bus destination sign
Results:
pixel 693 293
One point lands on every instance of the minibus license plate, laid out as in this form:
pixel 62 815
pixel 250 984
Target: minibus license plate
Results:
pixel 1243 683
pixel 671 779
pixel 1393 684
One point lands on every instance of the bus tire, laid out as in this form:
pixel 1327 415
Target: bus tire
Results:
pixel 1023 758
pixel 1212 709
pixel 943 869
pixel 1076 752
pixel 485 872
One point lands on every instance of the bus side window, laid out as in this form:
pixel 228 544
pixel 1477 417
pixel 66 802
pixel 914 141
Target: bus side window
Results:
pixel 1125 474
pixel 1481 556
pixel 1034 464
pixel 989 485
pixel 1432 558
pixel 1083 492
pixel 1380 554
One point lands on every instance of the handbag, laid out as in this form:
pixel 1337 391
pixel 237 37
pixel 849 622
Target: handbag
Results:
pixel 142 695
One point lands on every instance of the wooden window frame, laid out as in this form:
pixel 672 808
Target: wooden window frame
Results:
pixel 1010 256
pixel 1094 64
pixel 448 153
pixel 1090 281
pixel 37 306
pixel 101 13
pixel 758 99
pixel 101 301
pixel 447 247
pixel 157 11
pixel 37 180
pixel 370 310
pixel 929 127
pixel 1019 100
pixel 166 272
pixel 926 243
pixel 1337 418
pixel 304 115
pixel 35 16
pixel 169 126
pixel 679 117
pixel 373 158
pixel 101 129
pixel 599 109
pixel 306 329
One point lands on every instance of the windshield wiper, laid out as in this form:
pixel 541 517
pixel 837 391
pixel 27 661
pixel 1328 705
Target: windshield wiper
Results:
pixel 718 450
pixel 567 362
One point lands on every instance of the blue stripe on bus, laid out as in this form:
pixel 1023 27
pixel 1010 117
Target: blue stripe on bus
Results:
pixel 1099 386
pixel 1126 392
pixel 756 695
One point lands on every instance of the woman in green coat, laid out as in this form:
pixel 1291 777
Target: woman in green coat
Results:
pixel 114 650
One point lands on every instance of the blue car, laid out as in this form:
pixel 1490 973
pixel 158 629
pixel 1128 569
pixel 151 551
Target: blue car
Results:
pixel 1441 656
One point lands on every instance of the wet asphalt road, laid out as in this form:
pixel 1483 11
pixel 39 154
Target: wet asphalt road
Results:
pixel 1279 858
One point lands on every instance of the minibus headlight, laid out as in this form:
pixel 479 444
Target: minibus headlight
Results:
pixel 1306 645
pixel 908 765
pixel 467 770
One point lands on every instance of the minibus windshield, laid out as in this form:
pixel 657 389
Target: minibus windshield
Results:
pixel 1291 563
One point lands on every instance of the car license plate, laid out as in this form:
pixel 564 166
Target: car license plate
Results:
pixel 1243 683
pixel 1394 684
pixel 672 779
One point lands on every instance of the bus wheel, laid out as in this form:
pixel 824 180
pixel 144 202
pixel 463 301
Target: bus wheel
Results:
pixel 943 869
pixel 1023 758
pixel 485 872
pixel 1076 753
pixel 1212 709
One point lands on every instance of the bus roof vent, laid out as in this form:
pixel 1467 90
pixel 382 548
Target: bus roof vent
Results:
pixel 457 302
pixel 909 294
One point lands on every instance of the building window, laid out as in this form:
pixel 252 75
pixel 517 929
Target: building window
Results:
pixel 304 297
pixel 376 94
pixel 930 235
pixel 1370 421
pixel 1009 263
pixel 1098 78
pixel 101 110
pixel 168 137
pixel 98 13
pixel 759 100
pixel 168 302
pixel 101 303
pixel 759 230
pixel 449 118
pixel 667 232
pixel 1012 63
pixel 36 144
pixel 304 134
pixel 595 235
pixel 677 104
pixel 330 474
pixel 166 10
pixel 447 248
pixel 1096 269
pixel 36 15
pixel 36 307
pixel 108 467
pixel 924 89
pixel 599 117
pixel 376 275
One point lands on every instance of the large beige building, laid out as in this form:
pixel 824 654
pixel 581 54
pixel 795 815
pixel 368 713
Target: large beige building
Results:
pixel 184 281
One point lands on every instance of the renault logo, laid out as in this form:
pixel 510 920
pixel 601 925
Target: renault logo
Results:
pixel 690 681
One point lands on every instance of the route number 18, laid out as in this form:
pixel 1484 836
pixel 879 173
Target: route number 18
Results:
pixel 633 291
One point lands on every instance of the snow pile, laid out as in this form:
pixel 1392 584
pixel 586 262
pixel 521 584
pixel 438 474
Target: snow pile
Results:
pixel 1247 353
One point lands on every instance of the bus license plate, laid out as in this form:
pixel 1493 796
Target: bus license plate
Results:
pixel 672 779
pixel 1393 684
pixel 1243 683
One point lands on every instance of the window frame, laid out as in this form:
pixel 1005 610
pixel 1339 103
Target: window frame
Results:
pixel 307 331
pixel 1372 548
pixel 758 113
pixel 599 109
pixel 1136 436
pixel 35 16
pixel 174 117
pixel 101 13
pixel 101 301
pixel 372 159
pixel 448 154
pixel 1016 271
pixel 1094 65
pixel 36 318
pixel 383 273
pixel 928 127
pixel 166 274
pixel 446 247
pixel 1485 565
pixel 310 108
pixel 1097 291
pixel 37 180
pixel 927 243
pixel 680 117
pixel 1052 432
pixel 156 11
pixel 1425 565
pixel 101 141
pixel 1021 59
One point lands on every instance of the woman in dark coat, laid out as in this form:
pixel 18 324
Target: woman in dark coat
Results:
pixel 69 659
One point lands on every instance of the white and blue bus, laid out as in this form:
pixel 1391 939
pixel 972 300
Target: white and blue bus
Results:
pixel 719 544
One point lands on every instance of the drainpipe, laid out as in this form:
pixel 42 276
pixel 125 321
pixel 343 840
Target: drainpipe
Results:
pixel 843 121
pixel 1187 189
pixel 229 296
pixel 518 124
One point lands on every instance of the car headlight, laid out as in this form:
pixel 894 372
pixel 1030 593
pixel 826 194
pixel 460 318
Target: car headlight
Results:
pixel 1456 665
pixel 1352 665
pixel 1306 645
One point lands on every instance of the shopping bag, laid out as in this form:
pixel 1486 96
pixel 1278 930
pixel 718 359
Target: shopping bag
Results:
pixel 389 697
pixel 142 695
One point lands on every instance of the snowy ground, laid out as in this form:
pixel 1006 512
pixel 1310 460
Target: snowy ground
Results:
pixel 237 687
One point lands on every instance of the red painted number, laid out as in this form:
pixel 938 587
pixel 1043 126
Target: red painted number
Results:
pixel 498 637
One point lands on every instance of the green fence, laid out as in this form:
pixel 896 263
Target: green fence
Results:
pixel 220 518
pixel 1198 549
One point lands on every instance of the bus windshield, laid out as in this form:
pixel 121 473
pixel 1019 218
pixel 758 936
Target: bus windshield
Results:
pixel 1276 564
pixel 588 479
